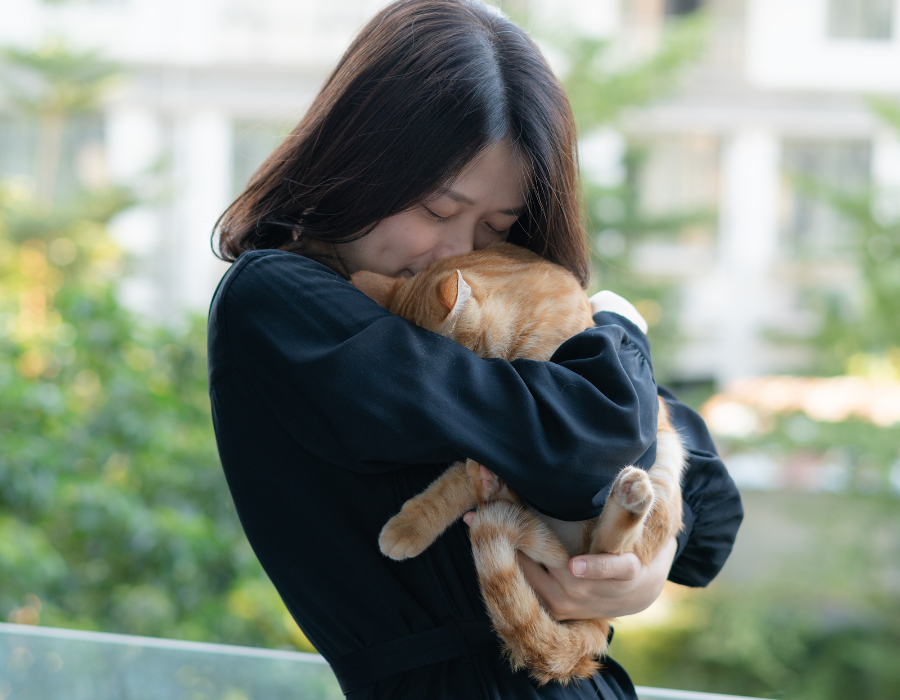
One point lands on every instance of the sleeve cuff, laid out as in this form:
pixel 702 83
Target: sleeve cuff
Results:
pixel 635 335
pixel 687 524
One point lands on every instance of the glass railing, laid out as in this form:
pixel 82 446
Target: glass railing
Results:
pixel 44 663
pixel 665 694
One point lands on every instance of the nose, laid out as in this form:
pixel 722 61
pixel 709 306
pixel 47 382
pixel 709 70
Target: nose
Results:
pixel 459 238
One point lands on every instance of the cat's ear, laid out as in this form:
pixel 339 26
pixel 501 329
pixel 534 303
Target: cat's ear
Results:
pixel 454 293
pixel 381 288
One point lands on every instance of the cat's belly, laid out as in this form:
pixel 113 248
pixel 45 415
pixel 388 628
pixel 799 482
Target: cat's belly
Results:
pixel 571 534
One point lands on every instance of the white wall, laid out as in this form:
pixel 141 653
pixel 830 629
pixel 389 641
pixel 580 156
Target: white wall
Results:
pixel 788 48
pixel 196 32
pixel 748 245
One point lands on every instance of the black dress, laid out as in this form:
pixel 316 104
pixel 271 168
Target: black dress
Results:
pixel 330 412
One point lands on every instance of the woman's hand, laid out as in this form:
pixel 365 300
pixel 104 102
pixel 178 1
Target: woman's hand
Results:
pixel 599 585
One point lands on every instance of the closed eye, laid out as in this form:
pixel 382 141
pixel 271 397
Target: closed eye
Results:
pixel 434 216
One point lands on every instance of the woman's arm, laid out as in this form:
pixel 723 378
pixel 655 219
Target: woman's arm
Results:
pixel 605 585
pixel 371 392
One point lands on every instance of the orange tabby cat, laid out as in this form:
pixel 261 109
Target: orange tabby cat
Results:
pixel 507 302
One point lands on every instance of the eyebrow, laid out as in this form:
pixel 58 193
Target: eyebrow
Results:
pixel 459 197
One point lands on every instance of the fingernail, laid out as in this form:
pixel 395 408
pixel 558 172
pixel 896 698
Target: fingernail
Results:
pixel 579 566
pixel 468 518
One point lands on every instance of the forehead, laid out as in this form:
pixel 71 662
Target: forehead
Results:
pixel 497 176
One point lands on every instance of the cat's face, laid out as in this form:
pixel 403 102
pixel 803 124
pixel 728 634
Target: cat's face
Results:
pixel 503 301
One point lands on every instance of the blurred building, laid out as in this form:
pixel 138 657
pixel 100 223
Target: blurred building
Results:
pixel 781 91
pixel 779 95
pixel 209 89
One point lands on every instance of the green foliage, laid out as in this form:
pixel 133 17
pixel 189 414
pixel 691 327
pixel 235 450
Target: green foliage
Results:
pixel 599 90
pixel 55 79
pixel 888 110
pixel 746 643
pixel 114 513
pixel 851 332
pixel 864 453
pixel 810 612
pixel 618 227
pixel 812 615
pixel 49 85
pixel 617 223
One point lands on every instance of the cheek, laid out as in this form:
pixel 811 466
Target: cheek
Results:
pixel 410 240
pixel 416 238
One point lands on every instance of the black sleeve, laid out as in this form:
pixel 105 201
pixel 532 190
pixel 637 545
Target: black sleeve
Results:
pixel 364 389
pixel 712 503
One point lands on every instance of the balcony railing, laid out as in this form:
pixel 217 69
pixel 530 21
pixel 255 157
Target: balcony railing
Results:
pixel 58 664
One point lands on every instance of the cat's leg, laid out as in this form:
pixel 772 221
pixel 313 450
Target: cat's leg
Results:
pixel 550 650
pixel 487 486
pixel 665 521
pixel 621 523
pixel 424 517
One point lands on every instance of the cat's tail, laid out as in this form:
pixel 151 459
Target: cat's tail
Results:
pixel 550 650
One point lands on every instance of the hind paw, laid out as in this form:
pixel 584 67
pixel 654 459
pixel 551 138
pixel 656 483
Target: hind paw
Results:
pixel 401 540
pixel 633 490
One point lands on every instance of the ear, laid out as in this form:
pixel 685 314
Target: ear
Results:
pixel 381 288
pixel 454 293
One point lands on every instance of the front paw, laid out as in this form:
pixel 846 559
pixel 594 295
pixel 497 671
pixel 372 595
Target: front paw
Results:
pixel 633 490
pixel 400 539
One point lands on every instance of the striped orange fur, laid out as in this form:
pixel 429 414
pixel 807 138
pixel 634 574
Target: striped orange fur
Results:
pixel 507 302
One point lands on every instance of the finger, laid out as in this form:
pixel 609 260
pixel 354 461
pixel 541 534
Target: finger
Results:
pixel 621 567
pixel 469 517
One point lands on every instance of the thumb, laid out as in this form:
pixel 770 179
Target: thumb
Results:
pixel 621 567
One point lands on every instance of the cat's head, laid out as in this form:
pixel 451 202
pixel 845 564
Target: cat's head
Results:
pixel 502 301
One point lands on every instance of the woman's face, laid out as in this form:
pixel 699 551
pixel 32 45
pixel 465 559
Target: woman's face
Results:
pixel 471 212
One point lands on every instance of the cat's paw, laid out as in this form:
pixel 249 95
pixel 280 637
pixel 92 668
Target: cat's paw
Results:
pixel 400 539
pixel 633 490
pixel 491 484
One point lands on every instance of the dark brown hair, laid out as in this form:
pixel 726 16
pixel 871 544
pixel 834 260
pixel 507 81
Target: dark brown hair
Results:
pixel 426 87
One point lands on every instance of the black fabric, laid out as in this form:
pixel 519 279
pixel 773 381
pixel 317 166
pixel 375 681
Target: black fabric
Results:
pixel 331 412
pixel 453 641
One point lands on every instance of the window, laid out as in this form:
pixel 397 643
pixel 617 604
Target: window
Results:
pixel 810 228
pixel 679 174
pixel 74 161
pixel 861 19
pixel 682 7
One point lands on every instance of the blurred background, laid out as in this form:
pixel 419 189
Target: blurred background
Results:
pixel 741 164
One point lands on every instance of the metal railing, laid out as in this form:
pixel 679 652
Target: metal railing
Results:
pixel 60 664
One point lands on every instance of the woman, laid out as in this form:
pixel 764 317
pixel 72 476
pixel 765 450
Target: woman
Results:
pixel 441 131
